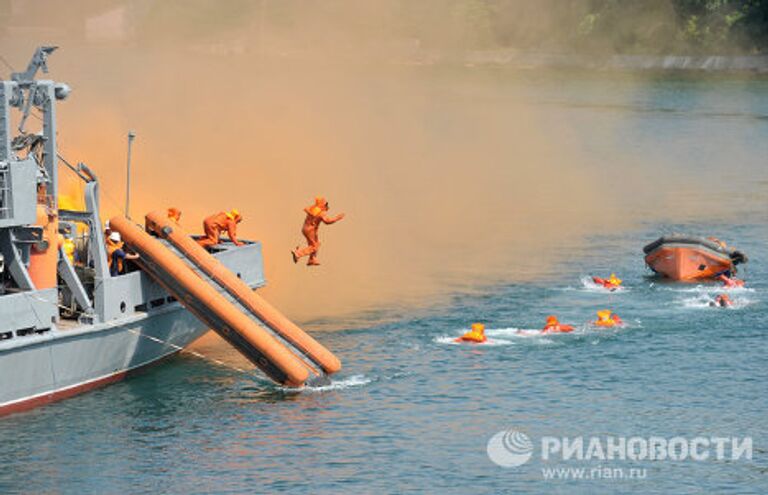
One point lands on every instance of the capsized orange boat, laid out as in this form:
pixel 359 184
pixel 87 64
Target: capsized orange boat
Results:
pixel 685 257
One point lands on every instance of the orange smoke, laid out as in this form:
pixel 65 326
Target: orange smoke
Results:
pixel 451 178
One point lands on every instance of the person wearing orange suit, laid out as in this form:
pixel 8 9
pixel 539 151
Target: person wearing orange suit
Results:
pixel 219 223
pixel 474 336
pixel 611 283
pixel 174 214
pixel 730 282
pixel 316 214
pixel 606 318
pixel 554 326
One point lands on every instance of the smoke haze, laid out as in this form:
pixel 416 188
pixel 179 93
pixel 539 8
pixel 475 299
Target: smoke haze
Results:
pixel 450 178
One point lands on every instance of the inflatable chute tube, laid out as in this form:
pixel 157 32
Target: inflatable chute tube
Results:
pixel 159 223
pixel 212 308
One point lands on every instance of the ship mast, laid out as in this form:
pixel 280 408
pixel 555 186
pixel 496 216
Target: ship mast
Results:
pixel 29 94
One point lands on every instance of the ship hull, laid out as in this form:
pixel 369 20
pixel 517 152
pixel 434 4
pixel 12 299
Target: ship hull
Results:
pixel 54 361
pixel 76 361
pixel 687 262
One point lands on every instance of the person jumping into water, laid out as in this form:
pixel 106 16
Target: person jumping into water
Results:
pixel 316 214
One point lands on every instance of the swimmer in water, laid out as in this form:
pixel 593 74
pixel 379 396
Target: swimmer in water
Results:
pixel 611 283
pixel 730 282
pixel 554 326
pixel 606 318
pixel 721 301
pixel 474 336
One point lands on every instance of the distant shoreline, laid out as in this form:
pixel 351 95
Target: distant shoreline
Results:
pixel 756 64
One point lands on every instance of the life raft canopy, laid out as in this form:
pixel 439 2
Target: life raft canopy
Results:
pixel 737 257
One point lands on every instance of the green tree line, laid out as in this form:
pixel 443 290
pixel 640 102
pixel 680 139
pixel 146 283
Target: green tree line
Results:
pixel 617 26
pixel 611 26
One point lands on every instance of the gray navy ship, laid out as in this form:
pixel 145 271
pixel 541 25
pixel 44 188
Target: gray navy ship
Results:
pixel 66 324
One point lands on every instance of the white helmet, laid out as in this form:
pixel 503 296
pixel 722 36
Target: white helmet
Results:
pixel 115 237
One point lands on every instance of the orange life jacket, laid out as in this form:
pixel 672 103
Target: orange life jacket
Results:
pixel 474 337
pixel 111 248
pixel 557 328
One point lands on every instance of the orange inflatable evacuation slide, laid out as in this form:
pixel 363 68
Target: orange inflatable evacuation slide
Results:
pixel 165 228
pixel 205 301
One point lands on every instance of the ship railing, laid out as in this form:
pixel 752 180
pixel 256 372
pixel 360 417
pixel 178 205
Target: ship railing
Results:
pixel 5 193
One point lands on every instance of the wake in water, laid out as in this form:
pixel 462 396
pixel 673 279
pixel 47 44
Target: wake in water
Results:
pixel 703 289
pixel 503 336
pixel 705 301
pixel 350 382
pixel 449 340
pixel 508 336
pixel 344 383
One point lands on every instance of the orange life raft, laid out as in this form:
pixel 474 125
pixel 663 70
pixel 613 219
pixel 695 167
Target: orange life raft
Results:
pixel 682 257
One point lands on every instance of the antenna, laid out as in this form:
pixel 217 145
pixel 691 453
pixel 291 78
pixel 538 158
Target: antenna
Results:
pixel 39 61
pixel 131 137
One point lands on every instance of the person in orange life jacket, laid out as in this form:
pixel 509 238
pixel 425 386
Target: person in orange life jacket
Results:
pixel 474 336
pixel 316 214
pixel 606 318
pixel 554 326
pixel 611 283
pixel 174 214
pixel 219 223
pixel 116 255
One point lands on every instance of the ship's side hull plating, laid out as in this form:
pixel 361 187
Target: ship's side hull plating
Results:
pixel 55 369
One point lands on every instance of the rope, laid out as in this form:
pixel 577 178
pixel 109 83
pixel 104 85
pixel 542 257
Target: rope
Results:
pixel 194 353
pixel 149 337
pixel 7 64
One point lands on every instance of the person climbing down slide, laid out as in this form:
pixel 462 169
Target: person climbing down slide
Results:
pixel 606 318
pixel 611 283
pixel 219 223
pixel 721 301
pixel 554 326
pixel 315 216
pixel 730 282
pixel 474 336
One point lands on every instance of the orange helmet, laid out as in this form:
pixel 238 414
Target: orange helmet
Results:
pixel 321 205
pixel 478 328
pixel 552 320
pixel 234 214
pixel 604 314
